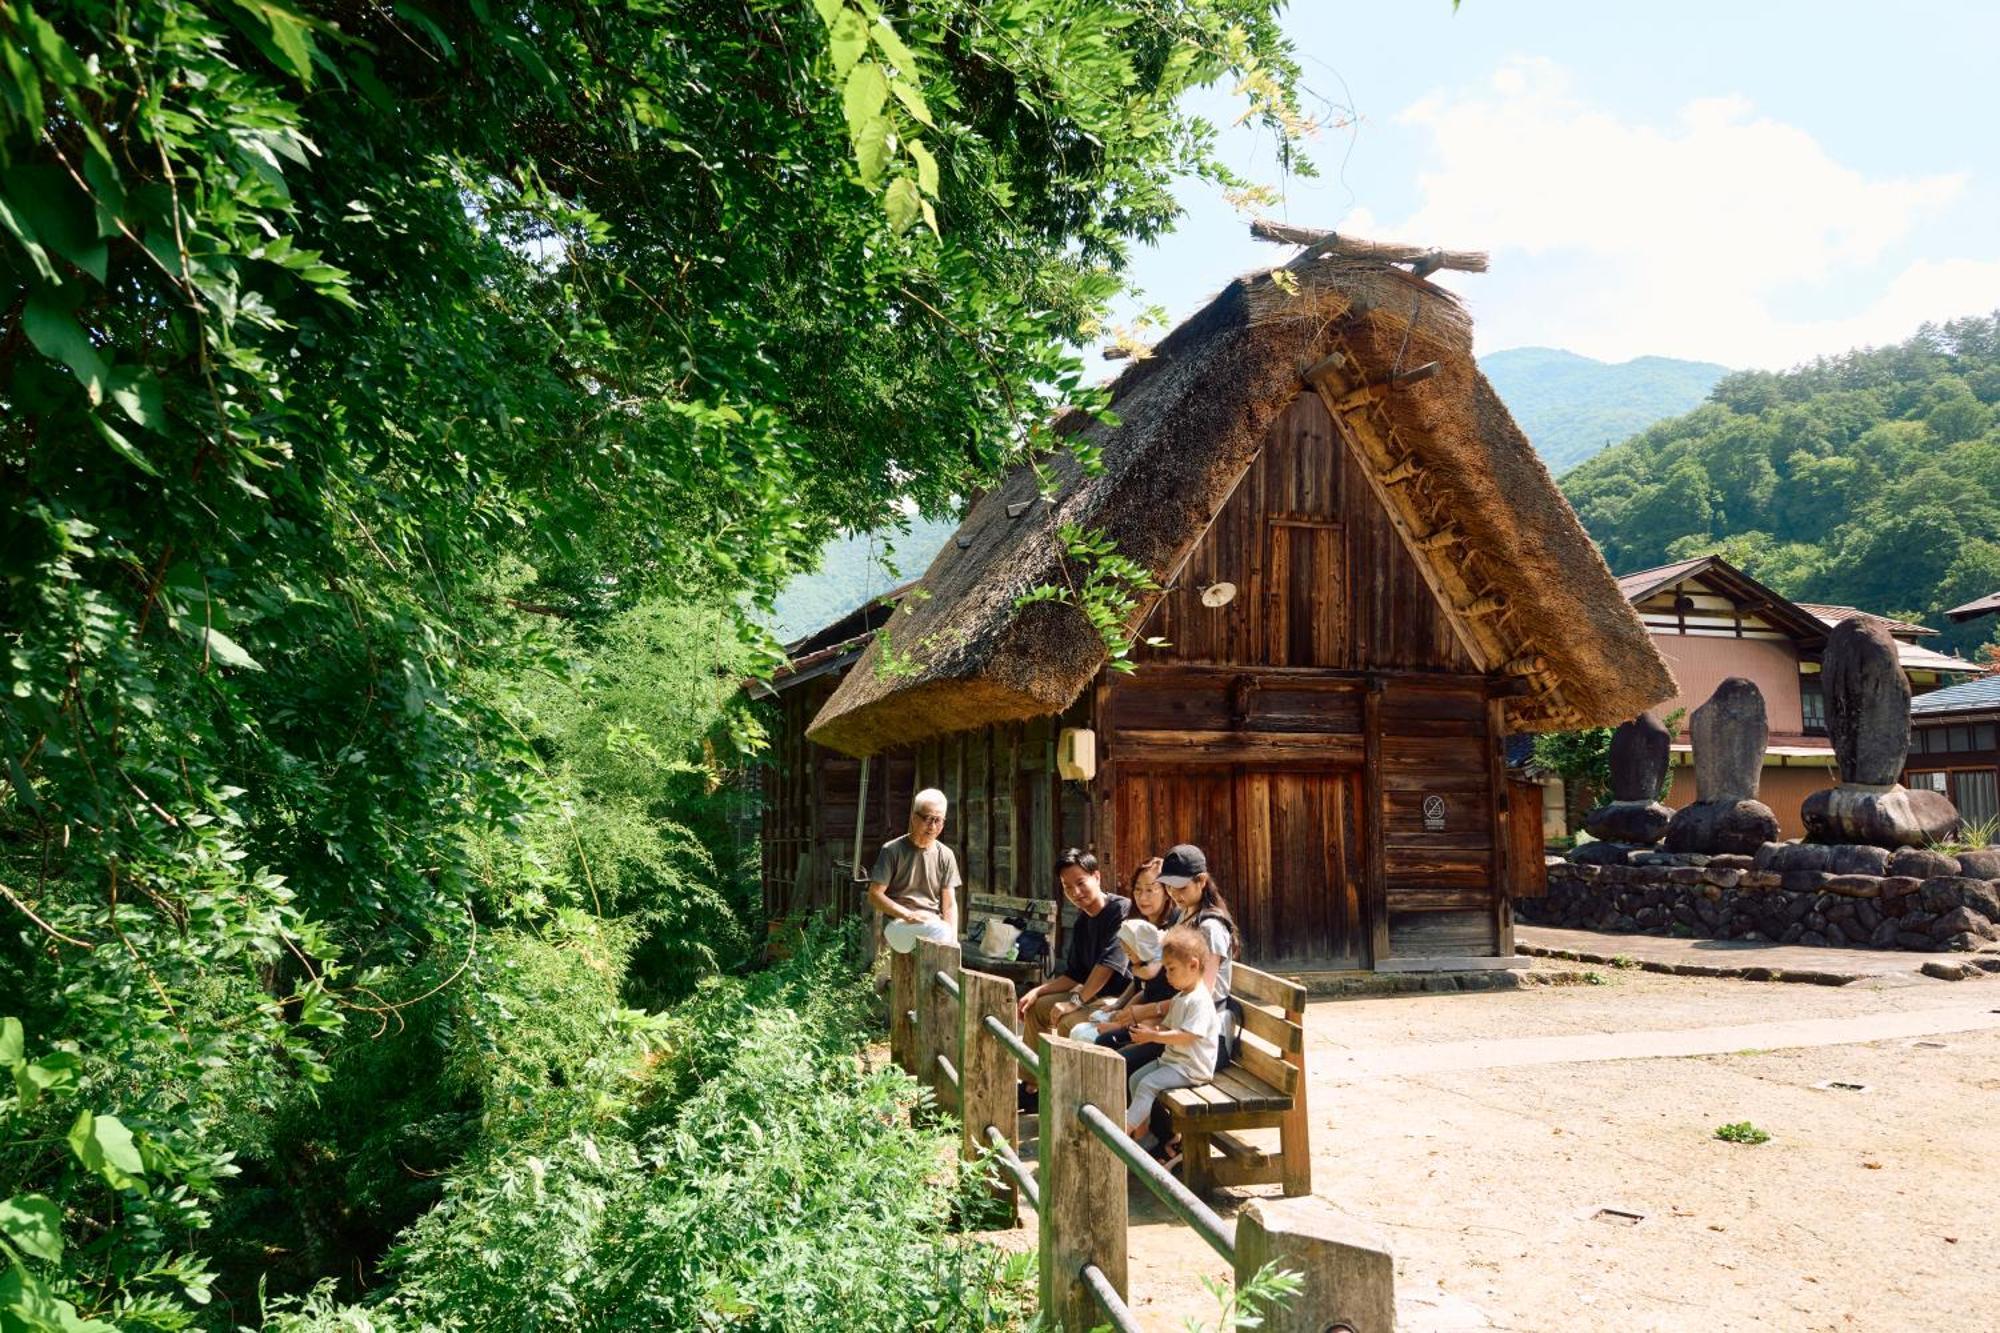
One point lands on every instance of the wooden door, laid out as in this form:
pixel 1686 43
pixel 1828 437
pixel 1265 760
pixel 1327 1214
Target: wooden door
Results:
pixel 1284 845
pixel 1301 836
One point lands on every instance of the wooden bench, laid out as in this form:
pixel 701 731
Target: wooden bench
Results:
pixel 1263 1088
pixel 1039 913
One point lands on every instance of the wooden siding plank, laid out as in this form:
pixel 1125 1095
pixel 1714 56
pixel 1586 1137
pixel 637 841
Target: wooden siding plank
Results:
pixel 1375 881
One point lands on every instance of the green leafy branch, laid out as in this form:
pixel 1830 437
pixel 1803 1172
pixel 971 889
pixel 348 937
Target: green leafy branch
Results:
pixel 31 1224
pixel 1107 593
pixel 885 110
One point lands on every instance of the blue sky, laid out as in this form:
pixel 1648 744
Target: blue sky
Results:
pixel 1754 183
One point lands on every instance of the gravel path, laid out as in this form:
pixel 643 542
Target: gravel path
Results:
pixel 1866 1210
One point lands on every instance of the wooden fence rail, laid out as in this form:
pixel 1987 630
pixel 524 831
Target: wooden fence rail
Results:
pixel 957 1033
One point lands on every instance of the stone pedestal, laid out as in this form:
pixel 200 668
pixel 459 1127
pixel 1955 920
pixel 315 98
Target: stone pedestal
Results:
pixel 1878 816
pixel 1604 853
pixel 1722 827
pixel 1642 822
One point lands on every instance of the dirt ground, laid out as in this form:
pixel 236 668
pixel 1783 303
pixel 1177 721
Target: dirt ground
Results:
pixel 1457 1128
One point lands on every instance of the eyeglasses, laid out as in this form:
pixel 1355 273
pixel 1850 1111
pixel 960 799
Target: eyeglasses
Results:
pixel 931 819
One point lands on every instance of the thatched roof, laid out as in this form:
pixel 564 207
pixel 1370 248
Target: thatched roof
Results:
pixel 1532 596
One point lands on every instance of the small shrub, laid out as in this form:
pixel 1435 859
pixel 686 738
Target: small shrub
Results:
pixel 1623 961
pixel 1742 1131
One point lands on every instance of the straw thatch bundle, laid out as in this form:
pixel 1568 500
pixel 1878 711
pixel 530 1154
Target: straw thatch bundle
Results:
pixel 962 654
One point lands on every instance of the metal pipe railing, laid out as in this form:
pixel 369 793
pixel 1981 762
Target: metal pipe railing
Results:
pixel 1027 1059
pixel 1184 1203
pixel 950 1069
pixel 1016 1169
pixel 1109 1301
pixel 949 982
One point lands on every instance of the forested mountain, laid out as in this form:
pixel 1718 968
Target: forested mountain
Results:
pixel 854 570
pixel 1572 406
pixel 1870 478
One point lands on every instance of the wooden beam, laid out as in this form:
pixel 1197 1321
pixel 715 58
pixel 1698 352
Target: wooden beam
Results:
pixel 1401 470
pixel 1496 776
pixel 1330 364
pixel 1321 241
pixel 1448 535
pixel 1372 449
pixel 1375 881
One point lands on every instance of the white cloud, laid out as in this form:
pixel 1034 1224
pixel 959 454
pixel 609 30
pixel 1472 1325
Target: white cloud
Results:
pixel 1690 237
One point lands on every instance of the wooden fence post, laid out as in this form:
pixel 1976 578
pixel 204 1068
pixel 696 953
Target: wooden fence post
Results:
pixel 987 1076
pixel 1082 1213
pixel 1350 1276
pixel 937 1018
pixel 902 998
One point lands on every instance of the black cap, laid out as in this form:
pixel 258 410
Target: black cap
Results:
pixel 1182 864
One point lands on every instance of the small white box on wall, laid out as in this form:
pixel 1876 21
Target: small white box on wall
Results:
pixel 1076 753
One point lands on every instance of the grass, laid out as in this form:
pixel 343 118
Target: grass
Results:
pixel 1972 836
pixel 1624 960
pixel 1742 1131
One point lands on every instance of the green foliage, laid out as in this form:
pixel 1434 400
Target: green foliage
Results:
pixel 399 406
pixel 156 1193
pixel 1972 835
pixel 1582 759
pixel 1742 1131
pixel 1101 584
pixel 1244 1307
pixel 736 1164
pixel 1572 406
pixel 1870 479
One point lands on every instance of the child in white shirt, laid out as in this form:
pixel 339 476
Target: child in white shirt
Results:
pixel 1190 1032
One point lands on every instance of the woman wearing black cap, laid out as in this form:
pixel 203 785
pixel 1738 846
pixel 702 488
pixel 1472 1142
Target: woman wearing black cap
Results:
pixel 1184 872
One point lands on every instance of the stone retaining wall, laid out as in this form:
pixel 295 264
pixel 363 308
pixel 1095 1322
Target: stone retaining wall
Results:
pixel 1729 897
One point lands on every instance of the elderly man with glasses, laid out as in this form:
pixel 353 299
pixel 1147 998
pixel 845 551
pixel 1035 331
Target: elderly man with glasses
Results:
pixel 915 882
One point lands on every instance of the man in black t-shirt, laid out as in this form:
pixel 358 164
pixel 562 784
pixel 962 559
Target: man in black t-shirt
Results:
pixel 1094 962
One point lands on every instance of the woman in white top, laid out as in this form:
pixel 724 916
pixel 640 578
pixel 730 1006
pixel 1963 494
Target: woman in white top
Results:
pixel 1184 873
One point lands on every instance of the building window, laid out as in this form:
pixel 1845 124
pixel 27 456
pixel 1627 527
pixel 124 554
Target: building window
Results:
pixel 1982 737
pixel 1976 793
pixel 1812 703
pixel 1926 782
pixel 1961 739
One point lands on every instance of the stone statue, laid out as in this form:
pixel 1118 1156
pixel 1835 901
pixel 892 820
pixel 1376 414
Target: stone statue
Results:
pixel 1729 734
pixel 1868 717
pixel 1634 816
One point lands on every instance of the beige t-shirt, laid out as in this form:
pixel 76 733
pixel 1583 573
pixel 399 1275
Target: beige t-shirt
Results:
pixel 916 878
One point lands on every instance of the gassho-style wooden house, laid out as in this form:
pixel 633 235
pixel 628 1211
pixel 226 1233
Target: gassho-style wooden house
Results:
pixel 1366 579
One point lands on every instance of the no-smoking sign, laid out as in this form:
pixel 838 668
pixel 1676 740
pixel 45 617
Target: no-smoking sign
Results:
pixel 1433 814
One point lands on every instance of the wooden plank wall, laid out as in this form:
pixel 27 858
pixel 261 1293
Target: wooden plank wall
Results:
pixel 1010 813
pixel 1322 578
pixel 1297 731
